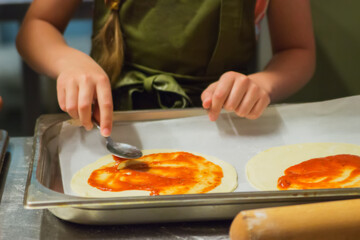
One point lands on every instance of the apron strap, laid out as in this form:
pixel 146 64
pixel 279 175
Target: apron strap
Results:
pixel 159 85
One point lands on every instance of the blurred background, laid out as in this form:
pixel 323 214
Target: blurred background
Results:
pixel 27 95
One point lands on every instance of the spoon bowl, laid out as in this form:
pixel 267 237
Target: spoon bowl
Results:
pixel 122 150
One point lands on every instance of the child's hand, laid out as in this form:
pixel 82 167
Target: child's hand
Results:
pixel 82 83
pixel 235 92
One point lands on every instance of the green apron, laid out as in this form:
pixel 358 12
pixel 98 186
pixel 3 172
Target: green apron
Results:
pixel 175 48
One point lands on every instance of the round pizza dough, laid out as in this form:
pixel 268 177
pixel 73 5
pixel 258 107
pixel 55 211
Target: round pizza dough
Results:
pixel 264 170
pixel 79 182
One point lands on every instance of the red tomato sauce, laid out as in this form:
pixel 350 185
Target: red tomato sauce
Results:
pixel 177 172
pixel 337 171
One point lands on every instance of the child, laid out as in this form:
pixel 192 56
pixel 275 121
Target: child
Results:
pixel 169 54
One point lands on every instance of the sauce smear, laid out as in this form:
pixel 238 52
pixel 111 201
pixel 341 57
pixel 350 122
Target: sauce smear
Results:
pixel 160 173
pixel 337 171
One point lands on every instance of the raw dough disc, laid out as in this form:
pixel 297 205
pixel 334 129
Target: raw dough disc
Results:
pixel 264 169
pixel 80 186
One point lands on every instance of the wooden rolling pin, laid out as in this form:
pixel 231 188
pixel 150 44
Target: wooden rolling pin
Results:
pixel 336 220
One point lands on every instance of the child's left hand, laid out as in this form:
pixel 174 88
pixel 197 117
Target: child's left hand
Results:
pixel 235 92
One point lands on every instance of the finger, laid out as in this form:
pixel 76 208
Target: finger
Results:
pixel 86 95
pixel 241 84
pixel 61 96
pixel 207 103
pixel 104 99
pixel 207 95
pixel 220 95
pixel 71 93
pixel 248 102
pixel 259 107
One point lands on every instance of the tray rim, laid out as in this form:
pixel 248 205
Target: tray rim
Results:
pixel 37 196
pixel 4 140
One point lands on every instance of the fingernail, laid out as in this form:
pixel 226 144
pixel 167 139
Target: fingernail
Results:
pixel 87 127
pixel 106 132
pixel 206 106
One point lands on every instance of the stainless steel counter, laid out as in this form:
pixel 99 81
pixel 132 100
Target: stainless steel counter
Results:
pixel 19 223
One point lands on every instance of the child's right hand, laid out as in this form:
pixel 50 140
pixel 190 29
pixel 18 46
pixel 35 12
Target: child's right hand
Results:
pixel 80 80
pixel 80 84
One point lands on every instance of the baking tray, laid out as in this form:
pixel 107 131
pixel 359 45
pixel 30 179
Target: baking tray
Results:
pixel 44 188
pixel 4 139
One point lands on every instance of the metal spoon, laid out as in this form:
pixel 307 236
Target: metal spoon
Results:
pixel 122 150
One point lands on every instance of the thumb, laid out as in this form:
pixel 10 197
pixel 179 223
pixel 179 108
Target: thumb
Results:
pixel 206 96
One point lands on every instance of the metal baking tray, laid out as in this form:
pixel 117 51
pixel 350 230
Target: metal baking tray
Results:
pixel 4 139
pixel 44 188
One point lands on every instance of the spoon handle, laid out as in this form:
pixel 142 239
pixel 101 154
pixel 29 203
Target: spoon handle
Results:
pixel 95 123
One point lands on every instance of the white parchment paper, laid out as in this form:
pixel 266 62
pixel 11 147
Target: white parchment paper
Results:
pixel 230 138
